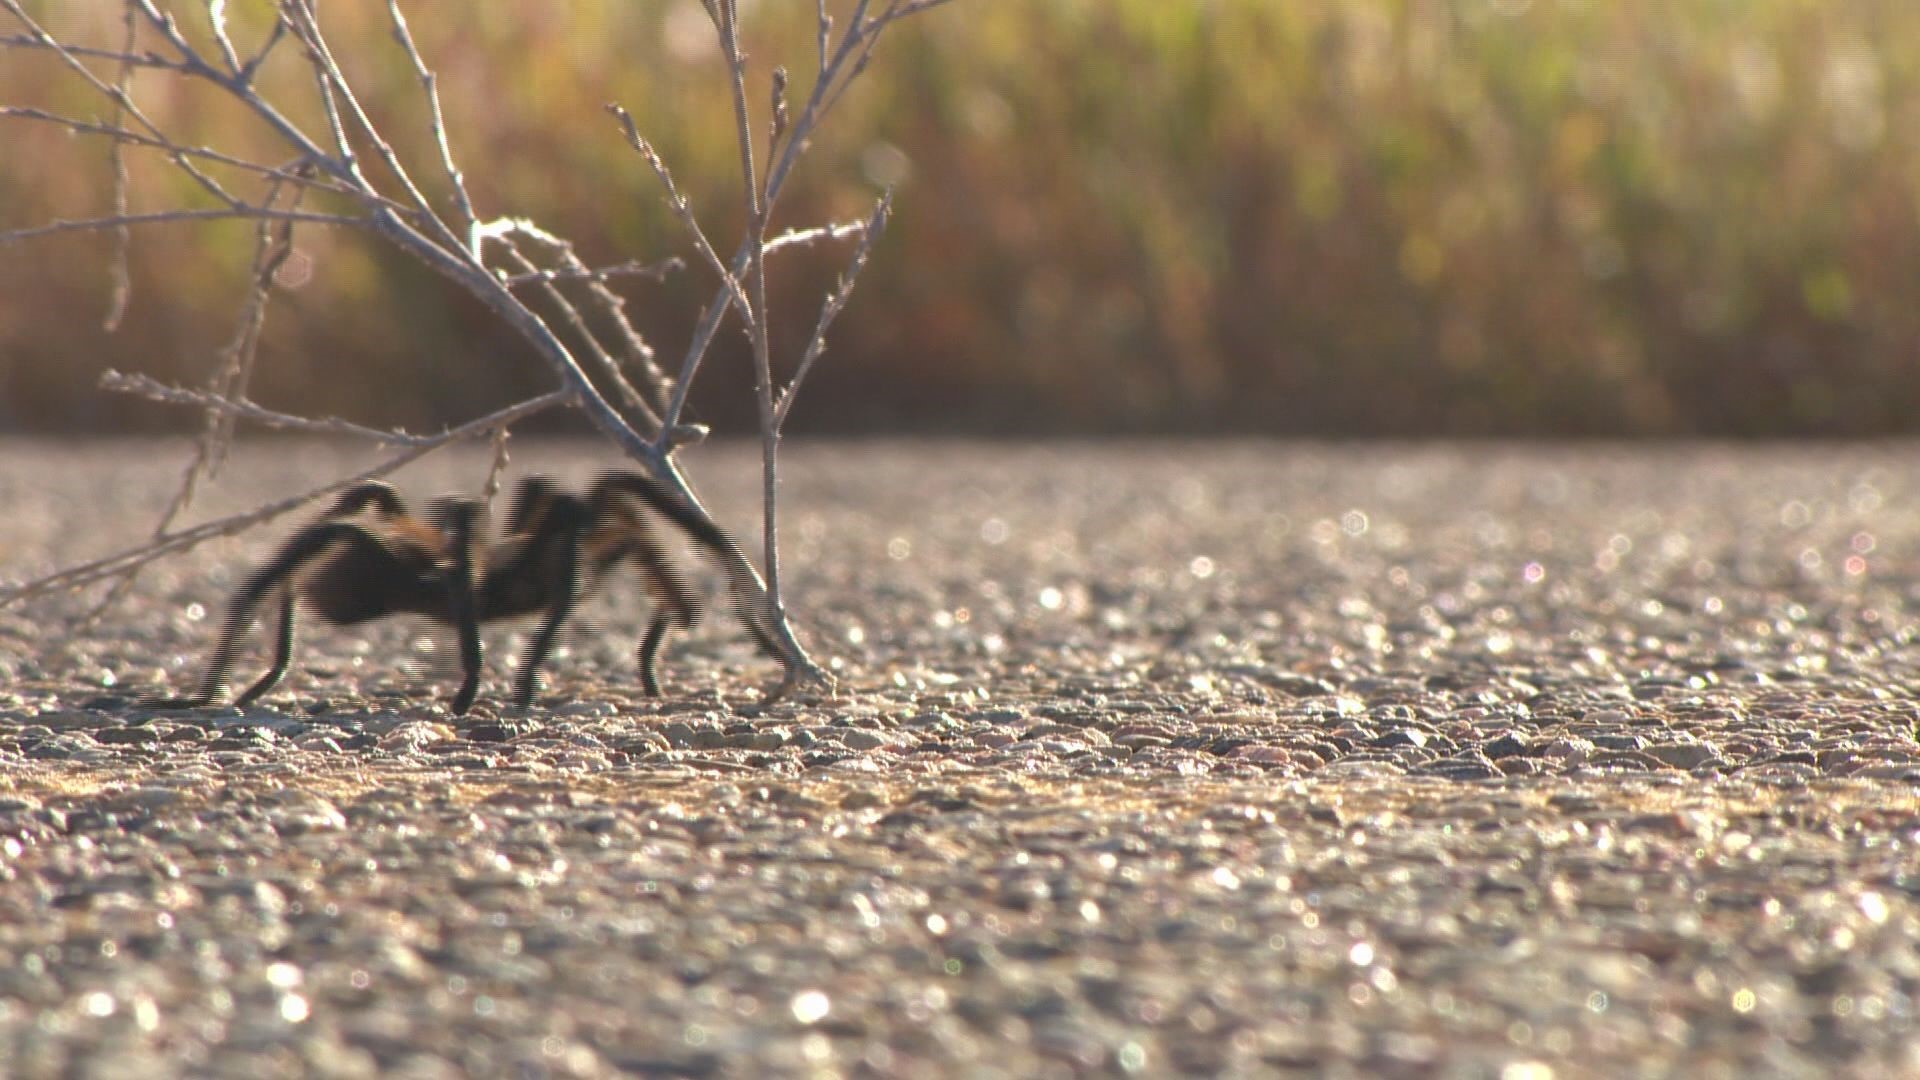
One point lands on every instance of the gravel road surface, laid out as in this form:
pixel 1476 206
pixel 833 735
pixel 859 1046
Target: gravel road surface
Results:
pixel 1146 759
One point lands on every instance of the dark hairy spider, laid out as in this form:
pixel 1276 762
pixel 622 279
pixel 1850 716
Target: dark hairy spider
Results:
pixel 368 557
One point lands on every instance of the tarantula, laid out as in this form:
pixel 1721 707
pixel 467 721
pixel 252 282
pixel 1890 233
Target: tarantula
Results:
pixel 369 557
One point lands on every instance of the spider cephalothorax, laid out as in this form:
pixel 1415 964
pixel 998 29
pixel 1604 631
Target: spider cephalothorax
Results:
pixel 368 557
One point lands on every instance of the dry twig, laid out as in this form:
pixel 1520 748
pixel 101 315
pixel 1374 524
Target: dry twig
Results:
pixel 379 195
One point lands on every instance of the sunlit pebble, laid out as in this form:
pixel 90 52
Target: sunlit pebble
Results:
pixel 936 924
pixel 1874 907
pixel 99 1003
pixel 810 1006
pixel 1201 567
pixel 856 635
pixel 283 976
pixel 1361 954
pixel 1052 598
pixel 293 1008
pixel 1090 911
pixel 1527 1070
pixel 1225 878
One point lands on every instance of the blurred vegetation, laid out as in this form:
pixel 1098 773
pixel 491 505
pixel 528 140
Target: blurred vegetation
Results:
pixel 1334 217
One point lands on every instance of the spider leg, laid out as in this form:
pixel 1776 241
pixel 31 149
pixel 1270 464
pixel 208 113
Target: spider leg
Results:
pixel 566 517
pixel 675 603
pixel 532 501
pixel 305 546
pixel 456 518
pixel 282 650
pixel 703 532
pixel 374 493
pixel 649 654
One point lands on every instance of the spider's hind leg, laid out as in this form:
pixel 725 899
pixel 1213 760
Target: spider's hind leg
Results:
pixel 566 518
pixel 458 519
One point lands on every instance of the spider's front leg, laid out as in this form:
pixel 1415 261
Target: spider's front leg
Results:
pixel 612 486
pixel 306 545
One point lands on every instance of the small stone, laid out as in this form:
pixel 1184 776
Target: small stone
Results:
pixel 861 739
pixel 1413 737
pixel 1687 756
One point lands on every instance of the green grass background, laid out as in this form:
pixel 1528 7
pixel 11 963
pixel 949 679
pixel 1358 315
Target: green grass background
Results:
pixel 1320 217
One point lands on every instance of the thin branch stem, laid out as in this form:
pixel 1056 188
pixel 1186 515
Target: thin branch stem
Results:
pixel 242 409
pixel 430 89
pixel 122 257
pixel 835 302
pixel 217 23
pixel 119 96
pixel 655 271
pixel 681 210
pixel 243 213
pixel 142 60
pixel 756 310
pixel 609 369
pixel 841 230
pixel 284 173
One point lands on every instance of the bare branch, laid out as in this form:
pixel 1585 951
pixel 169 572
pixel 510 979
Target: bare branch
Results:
pixel 118 96
pixel 122 562
pixel 756 312
pixel 430 88
pixel 217 20
pixel 835 301
pixel 806 237
pixel 656 271
pixel 141 60
pixel 609 304
pixel 243 213
pixel 273 245
pixel 404 216
pixel 490 489
pixel 681 210
pixel 778 107
pixel 609 370
pixel 290 17
pixel 122 292
pixel 823 33
pixel 839 67
pixel 285 173
pixel 244 77
pixel 242 409
pixel 304 24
